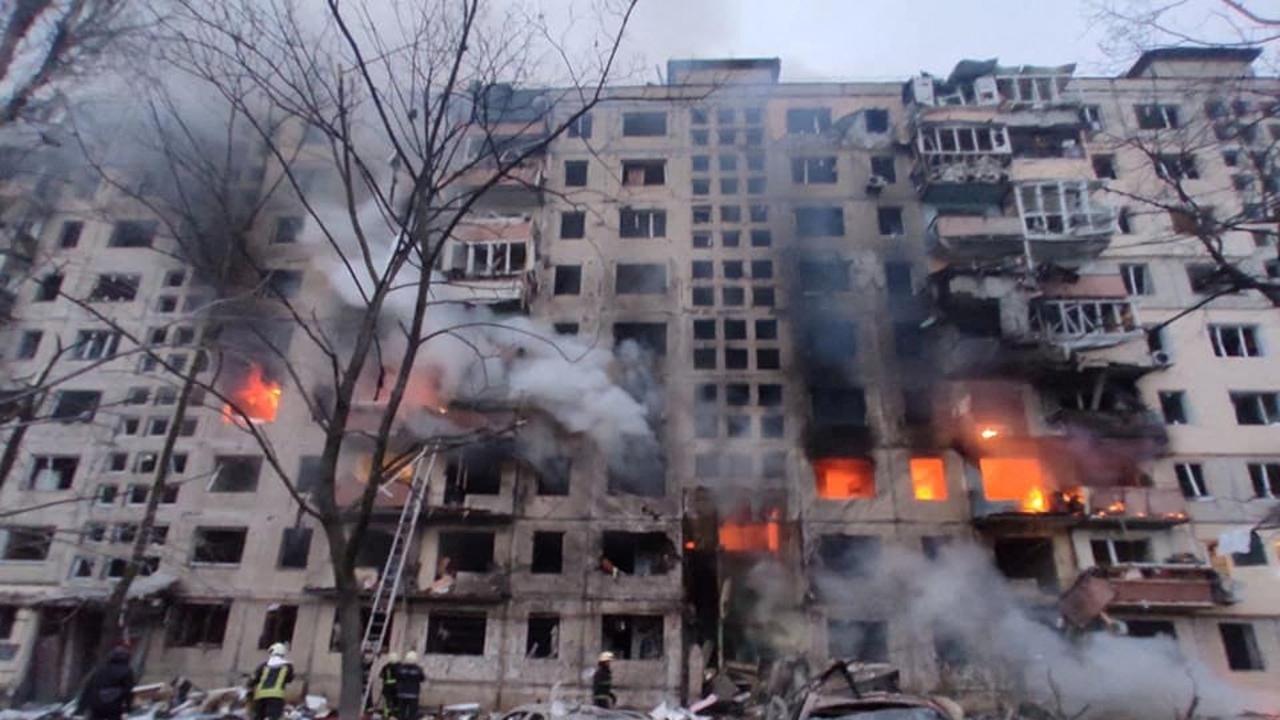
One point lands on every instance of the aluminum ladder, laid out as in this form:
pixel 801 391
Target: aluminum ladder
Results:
pixel 391 578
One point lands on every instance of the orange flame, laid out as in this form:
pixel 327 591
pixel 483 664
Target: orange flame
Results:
pixel 752 536
pixel 928 478
pixel 258 398
pixel 1035 501
pixel 844 478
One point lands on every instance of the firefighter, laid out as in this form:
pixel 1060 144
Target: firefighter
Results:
pixel 409 678
pixel 602 682
pixel 387 674
pixel 266 685
pixel 109 692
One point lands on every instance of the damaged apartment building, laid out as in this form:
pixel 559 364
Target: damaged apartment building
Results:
pixel 883 317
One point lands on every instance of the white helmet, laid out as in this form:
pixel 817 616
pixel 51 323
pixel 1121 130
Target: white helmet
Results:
pixel 606 656
pixel 411 657
pixel 393 657
pixel 278 650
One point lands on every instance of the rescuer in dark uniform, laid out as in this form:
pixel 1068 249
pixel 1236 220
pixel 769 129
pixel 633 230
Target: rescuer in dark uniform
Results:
pixel 267 684
pixel 602 682
pixel 408 687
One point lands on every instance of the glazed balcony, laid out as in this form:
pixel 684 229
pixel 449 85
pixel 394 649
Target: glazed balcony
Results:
pixel 1136 506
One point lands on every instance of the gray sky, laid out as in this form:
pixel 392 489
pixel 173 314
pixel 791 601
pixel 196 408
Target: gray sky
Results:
pixel 887 39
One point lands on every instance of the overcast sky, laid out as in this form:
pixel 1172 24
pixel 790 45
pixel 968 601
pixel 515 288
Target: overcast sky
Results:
pixel 885 39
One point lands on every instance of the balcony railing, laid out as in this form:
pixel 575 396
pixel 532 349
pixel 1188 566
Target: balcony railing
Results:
pixel 1137 504
pixel 1164 585
pixel 1083 321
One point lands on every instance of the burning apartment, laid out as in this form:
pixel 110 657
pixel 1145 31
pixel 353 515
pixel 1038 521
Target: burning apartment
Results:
pixel 857 319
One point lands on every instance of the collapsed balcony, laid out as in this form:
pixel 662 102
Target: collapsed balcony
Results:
pixel 1081 323
pixel 1102 402
pixel 1164 586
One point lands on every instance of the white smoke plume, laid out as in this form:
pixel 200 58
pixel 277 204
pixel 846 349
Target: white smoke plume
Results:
pixel 961 595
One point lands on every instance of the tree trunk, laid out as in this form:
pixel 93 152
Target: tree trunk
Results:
pixel 14 444
pixel 350 629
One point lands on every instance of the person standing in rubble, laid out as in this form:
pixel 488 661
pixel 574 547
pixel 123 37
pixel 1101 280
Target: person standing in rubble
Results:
pixel 109 692
pixel 602 682
pixel 268 682
pixel 408 687
pixel 387 675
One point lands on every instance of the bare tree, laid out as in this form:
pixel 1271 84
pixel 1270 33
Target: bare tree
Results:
pixel 45 42
pixel 387 136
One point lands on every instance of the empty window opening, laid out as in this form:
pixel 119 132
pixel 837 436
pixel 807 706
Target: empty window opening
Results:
pixel 838 406
pixel 858 640
pixel 644 124
pixel 464 551
pixel 850 556
pixel 1180 166
pixel 814 222
pixel 1137 278
pixel 295 546
pixel 650 336
pixel 813 170
pixel 568 280
pixel 890 221
pixel 456 633
pixel 1111 551
pixel 29 543
pixel 52 472
pixel 636 553
pixel 808 121
pixel 642 223
pixel 1254 408
pixel 277 626
pixel 844 478
pixel 928 478
pixel 49 287
pixel 236 473
pixel 1235 340
pixel 133 233
pixel 553 476
pixel 1104 166
pixel 376 547
pixel 632 637
pixel 640 279
pixel 542 637
pixel 1265 478
pixel 1173 406
pixel 115 287
pixel 1241 646
pixel 644 172
pixel 222 546
pixel 573 225
pixel 1011 479
pixel 76 405
pixel 575 173
pixel 548 553
pixel 1155 116
pixel 198 624
pixel 1149 628
pixel 882 166
pixel 29 344
pixel 1191 480
pixel 476 472
pixel 1027 558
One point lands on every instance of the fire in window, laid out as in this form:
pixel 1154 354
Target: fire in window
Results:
pixel 845 478
pixel 256 396
pixel 928 478
pixel 1020 480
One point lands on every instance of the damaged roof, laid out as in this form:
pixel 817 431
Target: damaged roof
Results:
pixel 1236 54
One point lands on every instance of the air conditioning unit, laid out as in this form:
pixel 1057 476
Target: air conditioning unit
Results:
pixel 1161 358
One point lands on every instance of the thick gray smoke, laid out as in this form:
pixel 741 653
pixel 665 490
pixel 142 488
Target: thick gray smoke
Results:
pixel 962 596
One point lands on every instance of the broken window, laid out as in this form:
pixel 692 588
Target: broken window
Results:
pixel 1073 319
pixel 573 225
pixel 1137 278
pixel 553 476
pixel 761 238
pixel 49 287
pixel 838 406
pixel 813 170
pixel 450 633
pixel 236 473
pixel 808 121
pixel 1191 480
pixel 882 166
pixel 1061 207
pixel 287 230
pixel 1111 551
pixel 1124 221
pixel 1104 166
pixel 1014 479
pixel 877 120
pixel 295 546
pixel 1180 166
pixel 542 637
pixel 29 344
pixel 575 173
pixel 980 317
pixel 221 546
pixel 928 478
pixel 1027 558
pixel 644 172
pixel 1173 406
pixel 650 336
pixel 1234 340
pixel 277 626
pixel 1265 478
pixel 858 640
pixel 75 405
pixel 640 279
pixel 52 472
pixel 1256 408
pixel 890 220
pixel 1241 646
pixel 197 624
pixel 632 637
pixel 548 553
pixel 95 344
pixel 850 556
pixel 813 222
pixel 25 543
pixel 465 551
pixel 897 278
pixel 133 233
pixel 568 280
pixel 115 287
pixel 642 223
pixel 844 478
pixel 644 124
pixel 637 553
pixel 1155 116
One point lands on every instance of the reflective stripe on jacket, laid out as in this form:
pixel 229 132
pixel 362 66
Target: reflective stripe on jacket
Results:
pixel 271 681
